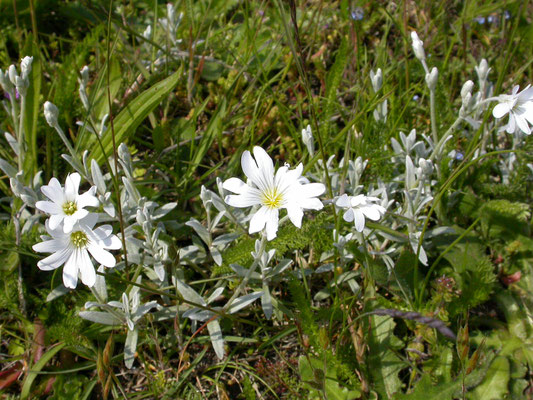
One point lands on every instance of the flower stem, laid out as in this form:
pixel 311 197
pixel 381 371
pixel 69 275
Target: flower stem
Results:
pixel 251 270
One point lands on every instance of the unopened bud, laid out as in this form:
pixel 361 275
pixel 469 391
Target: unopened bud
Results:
pixel 483 70
pixel 426 166
pixel 418 46
pixel 307 138
pixel 466 89
pixel 377 79
pixel 13 74
pixel 431 78
pixel 147 34
pixel 50 113
pixel 84 75
pixel 25 67
pixel 22 85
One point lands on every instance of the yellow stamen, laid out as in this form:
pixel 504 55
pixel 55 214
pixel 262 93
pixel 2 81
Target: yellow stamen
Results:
pixel 70 208
pixel 272 198
pixel 79 239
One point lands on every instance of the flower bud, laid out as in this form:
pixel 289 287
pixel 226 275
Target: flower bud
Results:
pixel 466 89
pixel 5 82
pixel 307 138
pixel 431 78
pixel 466 101
pixel 50 113
pixel 418 46
pixel 84 75
pixel 377 79
pixel 147 34
pixel 426 166
pixel 483 70
pixel 13 74
pixel 25 67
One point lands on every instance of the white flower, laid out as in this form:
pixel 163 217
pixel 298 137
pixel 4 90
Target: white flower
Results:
pixel 66 205
pixel 73 248
pixel 519 106
pixel 284 189
pixel 359 207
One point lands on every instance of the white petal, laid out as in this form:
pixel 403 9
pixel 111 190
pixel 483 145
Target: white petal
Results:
pixel 348 215
pixel 48 207
pixel 54 260
pixel 49 246
pixel 70 271
pixel 104 257
pixel 295 214
pixel 103 231
pixel 55 221
pixel 511 125
pixel 258 221
pixel 68 223
pixel 272 223
pixel 88 199
pixel 528 111
pixel 343 201
pixel 312 190
pixel 235 185
pixel 112 243
pixel 86 267
pixel 251 198
pixel 311 204
pixel 250 169
pixel 522 124
pixel 89 221
pixel 500 110
pixel 265 164
pixel 359 220
pixel 72 184
pixel 371 212
pixel 54 191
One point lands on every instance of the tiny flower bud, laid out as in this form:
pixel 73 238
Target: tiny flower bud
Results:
pixel 483 70
pixel 467 88
pixel 5 82
pixel 466 101
pixel 147 34
pixel 50 113
pixel 25 67
pixel 426 166
pixel 377 79
pixel 13 74
pixel 22 85
pixel 431 78
pixel 418 46
pixel 84 75
pixel 307 138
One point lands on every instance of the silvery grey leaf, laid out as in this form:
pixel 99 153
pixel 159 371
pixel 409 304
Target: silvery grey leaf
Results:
pixel 217 257
pixel 98 178
pixel 100 317
pixel 58 291
pixel 216 338
pixel 266 302
pixel 226 238
pixel 7 168
pixel 217 292
pixel 130 346
pixel 199 229
pixel 189 293
pixel 241 302
pixel 163 210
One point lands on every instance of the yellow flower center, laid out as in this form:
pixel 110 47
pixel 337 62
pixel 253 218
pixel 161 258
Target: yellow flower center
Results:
pixel 79 239
pixel 272 198
pixel 70 208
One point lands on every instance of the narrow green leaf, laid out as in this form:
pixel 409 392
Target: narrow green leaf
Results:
pixel 36 368
pixel 133 114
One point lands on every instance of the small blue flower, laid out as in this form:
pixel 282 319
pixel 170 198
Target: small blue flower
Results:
pixel 459 156
pixel 480 20
pixel 506 14
pixel 357 14
pixel 416 97
pixel 490 19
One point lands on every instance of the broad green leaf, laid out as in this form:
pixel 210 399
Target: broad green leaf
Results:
pixel 383 364
pixel 495 384
pixel 133 114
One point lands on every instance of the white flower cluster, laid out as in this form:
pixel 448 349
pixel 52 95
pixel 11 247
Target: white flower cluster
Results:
pixel 72 233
